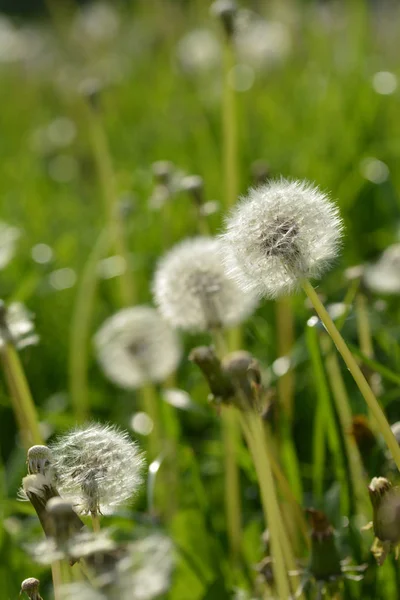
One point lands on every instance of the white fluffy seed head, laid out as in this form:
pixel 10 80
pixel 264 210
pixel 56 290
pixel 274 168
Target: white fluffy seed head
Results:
pixel 98 467
pixel 136 346
pixel 282 232
pixel 193 291
pixel 383 277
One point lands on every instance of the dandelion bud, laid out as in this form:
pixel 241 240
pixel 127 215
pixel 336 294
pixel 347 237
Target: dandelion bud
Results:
pixel 38 460
pixel 281 233
pixel 226 11
pixel 30 587
pixel 162 171
pixel 193 291
pixel 61 518
pixel 194 185
pixel 244 374
pixel 98 467
pixel 219 383
pixel 385 500
pixel 324 558
pixel 136 346
pixel 39 489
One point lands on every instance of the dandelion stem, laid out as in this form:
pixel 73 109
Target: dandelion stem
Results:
pixel 229 124
pixel 231 440
pixel 285 335
pixel 95 522
pixel 57 579
pixel 254 436
pixel 356 372
pixel 150 403
pixel 106 175
pixel 364 329
pixel 80 329
pixel 344 412
pixel 23 404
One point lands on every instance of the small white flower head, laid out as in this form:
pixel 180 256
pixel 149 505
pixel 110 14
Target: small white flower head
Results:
pixel 282 232
pixel 193 291
pixel 383 277
pixel 39 460
pixel 98 467
pixel 16 325
pixel 30 587
pixel 136 346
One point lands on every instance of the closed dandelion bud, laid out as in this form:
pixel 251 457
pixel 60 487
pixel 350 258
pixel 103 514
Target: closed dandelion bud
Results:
pixel 243 372
pixel 61 519
pixel 136 346
pixel 385 500
pixel 39 460
pixel 98 467
pixel 39 489
pixel 193 291
pixel 225 10
pixel 324 559
pixel 220 384
pixel 281 233
pixel 30 587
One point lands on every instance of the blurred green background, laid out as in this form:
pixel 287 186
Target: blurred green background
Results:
pixel 321 102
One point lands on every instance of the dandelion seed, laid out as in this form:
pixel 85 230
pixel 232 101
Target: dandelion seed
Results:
pixel 281 233
pixel 136 346
pixel 193 291
pixel 98 467
pixel 383 277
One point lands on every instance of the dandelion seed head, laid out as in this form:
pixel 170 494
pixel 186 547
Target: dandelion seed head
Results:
pixel 262 44
pixel 199 51
pixel 98 467
pixel 193 291
pixel 383 277
pixel 282 232
pixel 17 326
pixel 135 346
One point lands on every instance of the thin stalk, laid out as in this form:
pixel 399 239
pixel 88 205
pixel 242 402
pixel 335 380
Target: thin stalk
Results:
pixel 345 416
pixel 102 158
pixel 285 342
pixel 325 419
pixel 269 502
pixel 57 579
pixel 363 326
pixel 231 439
pixel 24 407
pixel 229 128
pixel 80 329
pixel 95 522
pixel 172 433
pixel 356 372
pixel 150 405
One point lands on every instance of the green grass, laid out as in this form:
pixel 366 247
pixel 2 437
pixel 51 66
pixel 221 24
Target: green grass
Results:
pixel 315 116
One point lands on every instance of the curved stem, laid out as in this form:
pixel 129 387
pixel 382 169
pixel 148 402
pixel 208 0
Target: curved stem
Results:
pixel 356 372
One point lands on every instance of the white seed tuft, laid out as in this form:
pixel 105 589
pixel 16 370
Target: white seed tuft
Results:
pixel 282 232
pixel 98 467
pixel 136 346
pixel 193 291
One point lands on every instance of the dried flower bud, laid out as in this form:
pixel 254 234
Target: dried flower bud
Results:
pixel 38 460
pixel 226 11
pixel 324 558
pixel 282 233
pixel 385 500
pixel 30 587
pixel 243 371
pixel 219 383
pixel 193 291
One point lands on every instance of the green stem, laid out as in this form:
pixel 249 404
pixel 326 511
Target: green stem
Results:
pixel 231 440
pixel 229 125
pixel 356 372
pixel 102 158
pixel 24 407
pixel 95 522
pixel 345 416
pixel 325 419
pixel 150 405
pixel 80 330
pixel 285 342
